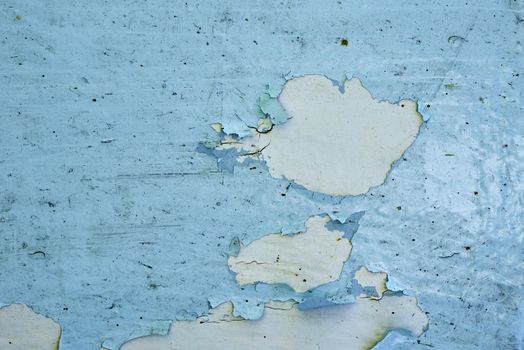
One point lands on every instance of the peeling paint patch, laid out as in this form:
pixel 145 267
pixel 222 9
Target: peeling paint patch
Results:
pixel 349 226
pixel 360 325
pixel 288 325
pixel 272 109
pixel 376 280
pixel 21 328
pixel 302 261
pixel 337 140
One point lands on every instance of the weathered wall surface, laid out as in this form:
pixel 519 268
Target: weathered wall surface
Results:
pixel 113 224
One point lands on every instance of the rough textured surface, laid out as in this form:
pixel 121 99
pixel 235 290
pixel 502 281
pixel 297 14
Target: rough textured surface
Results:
pixel 23 329
pixel 112 224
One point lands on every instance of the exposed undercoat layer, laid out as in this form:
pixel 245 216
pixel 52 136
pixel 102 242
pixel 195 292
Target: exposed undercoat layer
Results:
pixel 338 143
pixel 23 329
pixel 302 261
pixel 360 325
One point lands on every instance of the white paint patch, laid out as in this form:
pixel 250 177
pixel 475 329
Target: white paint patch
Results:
pixel 377 280
pixel 217 127
pixel 302 261
pixel 23 329
pixel 335 143
pixel 360 325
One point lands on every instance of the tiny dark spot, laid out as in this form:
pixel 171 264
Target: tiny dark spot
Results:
pixel 304 280
pixel 467 247
pixel 344 42
pixel 476 193
pixel 94 100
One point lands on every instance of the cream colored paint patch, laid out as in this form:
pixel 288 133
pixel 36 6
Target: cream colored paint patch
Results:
pixel 376 280
pixel 302 261
pixel 334 143
pixel 360 325
pixel 23 329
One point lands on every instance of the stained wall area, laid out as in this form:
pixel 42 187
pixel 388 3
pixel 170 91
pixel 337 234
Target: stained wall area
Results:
pixel 117 218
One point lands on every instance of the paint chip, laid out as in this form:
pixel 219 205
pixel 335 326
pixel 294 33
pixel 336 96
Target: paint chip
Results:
pixel 376 280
